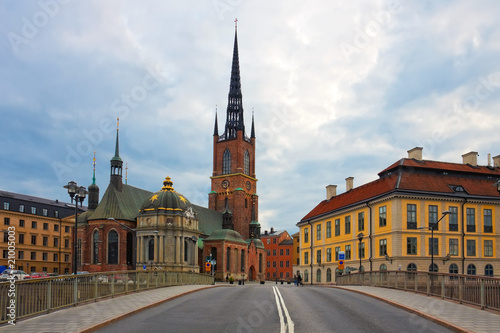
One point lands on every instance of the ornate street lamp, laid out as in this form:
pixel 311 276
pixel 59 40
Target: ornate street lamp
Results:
pixel 79 194
pixel 360 238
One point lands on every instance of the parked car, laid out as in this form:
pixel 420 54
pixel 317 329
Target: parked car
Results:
pixel 17 274
pixel 39 275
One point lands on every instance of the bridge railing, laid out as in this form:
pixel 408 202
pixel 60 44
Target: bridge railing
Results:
pixel 476 290
pixel 35 296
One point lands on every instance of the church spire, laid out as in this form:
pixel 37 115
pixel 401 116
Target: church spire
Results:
pixel 117 163
pixel 234 117
pixel 216 126
pixel 252 133
pixel 93 191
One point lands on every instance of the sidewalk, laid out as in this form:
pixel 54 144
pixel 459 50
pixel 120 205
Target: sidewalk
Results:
pixel 458 317
pixel 85 317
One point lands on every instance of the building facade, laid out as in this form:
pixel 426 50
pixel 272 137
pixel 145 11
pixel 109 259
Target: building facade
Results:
pixel 278 245
pixel 43 232
pixel 388 224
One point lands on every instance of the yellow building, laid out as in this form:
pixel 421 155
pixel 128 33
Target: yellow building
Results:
pixel 388 224
pixel 41 230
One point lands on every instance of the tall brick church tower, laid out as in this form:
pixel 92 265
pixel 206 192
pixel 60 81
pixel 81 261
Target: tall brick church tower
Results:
pixel 234 186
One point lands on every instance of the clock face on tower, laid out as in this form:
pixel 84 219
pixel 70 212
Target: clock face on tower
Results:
pixel 225 183
pixel 249 186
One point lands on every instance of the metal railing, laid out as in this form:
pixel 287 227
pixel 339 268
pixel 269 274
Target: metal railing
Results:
pixel 35 296
pixel 476 290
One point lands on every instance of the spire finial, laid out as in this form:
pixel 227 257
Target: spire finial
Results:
pixel 167 185
pixel 126 172
pixel 93 163
pixel 236 23
pixel 117 123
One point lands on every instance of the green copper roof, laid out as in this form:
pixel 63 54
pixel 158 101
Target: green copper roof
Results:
pixel 122 205
pixel 208 220
pixel 226 235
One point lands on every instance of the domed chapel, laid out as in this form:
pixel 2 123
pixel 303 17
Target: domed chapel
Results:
pixel 132 228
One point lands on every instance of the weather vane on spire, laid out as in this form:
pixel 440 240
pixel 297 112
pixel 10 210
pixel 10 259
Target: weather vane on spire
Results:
pixel 236 23
pixel 117 123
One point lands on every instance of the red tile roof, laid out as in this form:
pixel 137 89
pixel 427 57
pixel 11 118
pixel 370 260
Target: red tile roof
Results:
pixel 416 181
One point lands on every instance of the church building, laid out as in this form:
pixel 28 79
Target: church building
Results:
pixel 132 228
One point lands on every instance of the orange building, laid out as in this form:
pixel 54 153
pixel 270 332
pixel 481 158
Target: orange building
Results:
pixel 279 246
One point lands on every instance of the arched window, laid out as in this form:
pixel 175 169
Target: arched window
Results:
pixel 247 163
pixel 95 247
pixel 328 275
pixel 226 162
pixel 228 259
pixel 411 267
pixel 151 249
pixel 318 275
pixel 186 250
pixel 471 269
pixel 488 270
pixel 433 268
pixel 453 269
pixel 383 267
pixel 306 276
pixel 113 247
pixel 243 260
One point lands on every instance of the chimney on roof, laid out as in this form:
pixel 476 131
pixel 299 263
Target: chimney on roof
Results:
pixel 470 158
pixel 265 232
pixel 496 161
pixel 272 230
pixel 349 183
pixel 415 153
pixel 331 191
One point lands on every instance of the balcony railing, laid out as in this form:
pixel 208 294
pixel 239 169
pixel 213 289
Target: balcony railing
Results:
pixel 35 296
pixel 476 290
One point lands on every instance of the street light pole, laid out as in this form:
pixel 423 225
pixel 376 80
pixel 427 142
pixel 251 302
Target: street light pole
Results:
pixel 360 238
pixel 78 193
pixel 432 227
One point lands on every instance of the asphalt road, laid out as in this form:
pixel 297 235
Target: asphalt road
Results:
pixel 274 308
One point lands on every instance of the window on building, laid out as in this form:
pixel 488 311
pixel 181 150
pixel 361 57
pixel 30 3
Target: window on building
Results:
pixel 361 221
pixel 453 242
pixel 337 227
pixel 287 252
pixel 328 229
pixel 45 226
pixel 453 269
pixel 113 247
pixel 274 252
pixel 21 239
pixel 56 257
pixel 382 216
pixel 306 235
pixel 66 258
pixel 66 229
pixel 247 163
pixel 318 256
pixel 318 232
pixel 151 249
pixel 226 162
pixel 21 223
pixel 318 275
pixel 45 256
pixel 337 250
pixel 383 247
pixel 471 219
pixel 56 214
pixel 411 267
pixel 20 255
pixel 411 245
pixel 306 258
pixel 433 268
pixel 453 218
pixel 33 255
pixel 488 248
pixel 95 247
pixel 21 208
pixel 434 246
pixel 306 276
pixel 66 243
pixel 6 205
pixel 347 223
pixel 33 210
pixel 347 252
pixel 33 239
pixel 433 217
pixel 45 241
pixel 6 221
pixel 274 240
pixel 56 227
pixel 411 216
pixel 471 247
pixel 33 224
pixel 361 250
pixel 5 237
pixel 488 270
pixel 329 254
pixel 488 223
pixel 383 267
pixel 268 264
pixel 287 263
pixel 281 263
pixel 44 211
pixel 281 252
pixel 328 275
pixel 5 254
pixel 471 269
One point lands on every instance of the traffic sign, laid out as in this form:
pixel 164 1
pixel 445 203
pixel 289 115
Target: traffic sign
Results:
pixel 341 264
pixel 341 255
pixel 213 262
pixel 208 266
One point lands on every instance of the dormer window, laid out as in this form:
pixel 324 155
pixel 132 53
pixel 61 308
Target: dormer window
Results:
pixel 457 188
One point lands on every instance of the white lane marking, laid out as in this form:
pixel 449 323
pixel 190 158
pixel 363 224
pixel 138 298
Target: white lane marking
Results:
pixel 281 303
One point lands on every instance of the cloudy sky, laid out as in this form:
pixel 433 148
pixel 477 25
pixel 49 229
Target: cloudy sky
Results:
pixel 338 89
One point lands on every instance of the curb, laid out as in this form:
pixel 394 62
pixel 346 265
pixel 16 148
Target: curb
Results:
pixel 436 320
pixel 149 306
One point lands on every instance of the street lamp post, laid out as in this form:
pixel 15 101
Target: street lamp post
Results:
pixel 432 227
pixel 134 243
pixel 78 193
pixel 360 238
